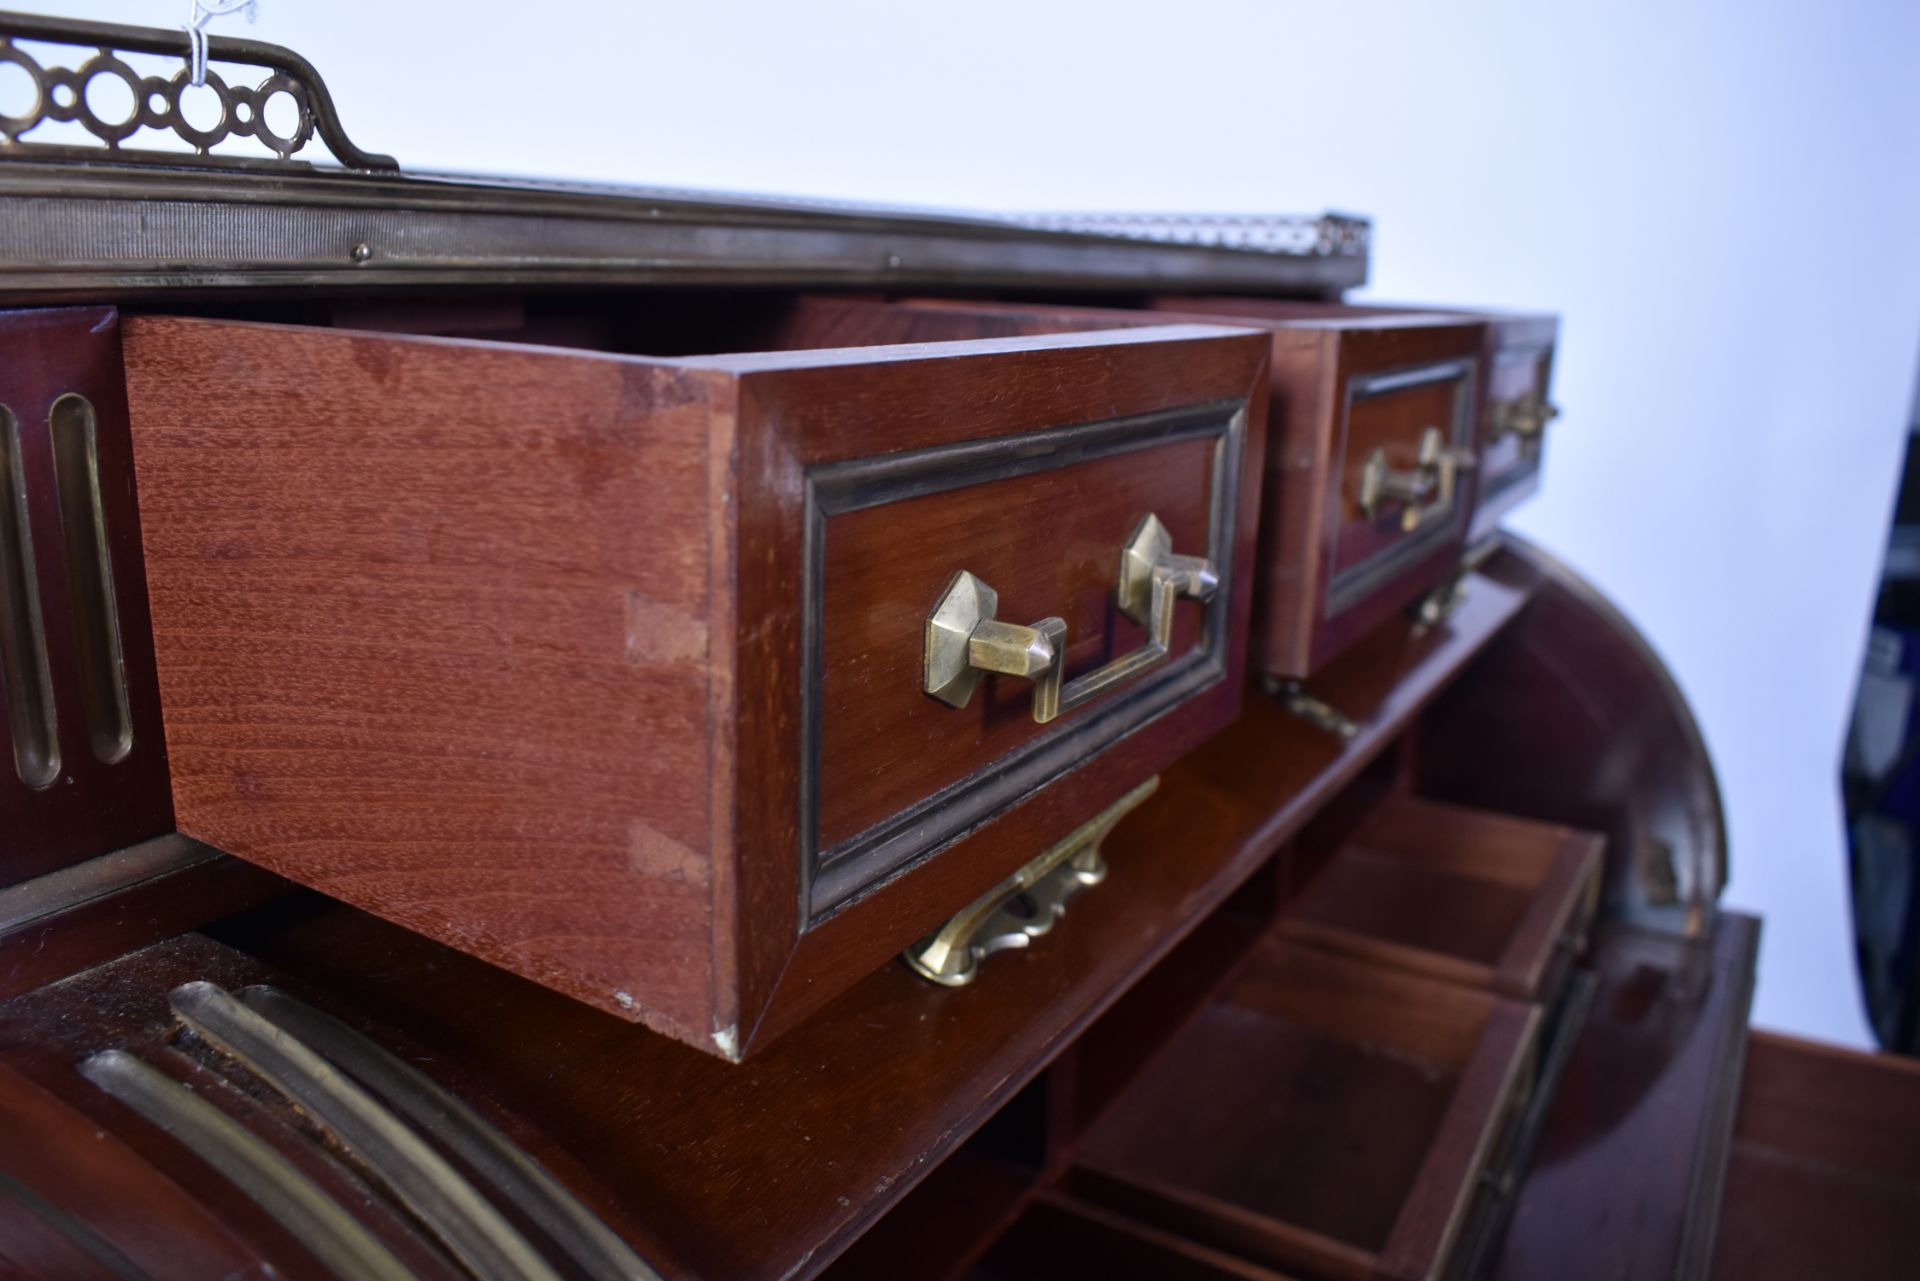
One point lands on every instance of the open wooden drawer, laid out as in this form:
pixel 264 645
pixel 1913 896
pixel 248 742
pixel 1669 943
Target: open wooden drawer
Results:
pixel 665 682
pixel 1459 894
pixel 1321 1115
pixel 1823 1177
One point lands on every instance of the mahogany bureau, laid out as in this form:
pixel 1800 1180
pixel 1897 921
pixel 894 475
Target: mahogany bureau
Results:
pixel 576 733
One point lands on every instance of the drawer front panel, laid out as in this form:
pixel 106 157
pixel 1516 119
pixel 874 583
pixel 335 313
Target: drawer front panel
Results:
pixel 1513 434
pixel 1043 519
pixel 1390 420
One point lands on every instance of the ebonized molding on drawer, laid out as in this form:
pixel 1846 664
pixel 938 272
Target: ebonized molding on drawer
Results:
pixel 1372 447
pixel 609 669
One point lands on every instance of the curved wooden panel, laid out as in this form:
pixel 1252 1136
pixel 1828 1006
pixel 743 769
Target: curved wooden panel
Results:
pixel 1571 717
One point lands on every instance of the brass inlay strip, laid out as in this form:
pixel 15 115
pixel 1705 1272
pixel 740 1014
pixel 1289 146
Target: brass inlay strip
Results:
pixel 96 615
pixel 293 1201
pixel 517 1177
pixel 26 682
pixel 470 1227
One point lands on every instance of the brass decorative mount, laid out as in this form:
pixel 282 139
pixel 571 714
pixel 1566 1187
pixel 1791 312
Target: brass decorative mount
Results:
pixel 1026 905
pixel 61 94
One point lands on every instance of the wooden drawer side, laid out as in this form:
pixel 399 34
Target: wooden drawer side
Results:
pixel 434 622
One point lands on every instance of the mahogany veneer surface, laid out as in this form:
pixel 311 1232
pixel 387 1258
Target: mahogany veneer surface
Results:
pixel 1626 1178
pixel 1574 720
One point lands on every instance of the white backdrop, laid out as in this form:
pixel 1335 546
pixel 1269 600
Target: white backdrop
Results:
pixel 1722 199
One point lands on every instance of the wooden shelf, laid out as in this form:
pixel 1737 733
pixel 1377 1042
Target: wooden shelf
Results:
pixel 773 1167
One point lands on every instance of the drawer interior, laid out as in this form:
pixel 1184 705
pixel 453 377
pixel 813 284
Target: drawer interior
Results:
pixel 702 324
pixel 1320 1113
pixel 1061 1236
pixel 1823 1178
pixel 1458 893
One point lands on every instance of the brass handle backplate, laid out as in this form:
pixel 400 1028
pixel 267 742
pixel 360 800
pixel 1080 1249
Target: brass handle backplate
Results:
pixel 1024 906
pixel 1425 491
pixel 964 640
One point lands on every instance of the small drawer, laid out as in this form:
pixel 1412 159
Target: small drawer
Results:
pixel 1519 408
pixel 1516 408
pixel 1373 446
pixel 693 687
pixel 1458 894
pixel 1320 1115
pixel 1370 481
pixel 1060 1236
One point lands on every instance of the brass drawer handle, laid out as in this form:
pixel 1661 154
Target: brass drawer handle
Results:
pixel 1425 492
pixel 1524 416
pixel 965 641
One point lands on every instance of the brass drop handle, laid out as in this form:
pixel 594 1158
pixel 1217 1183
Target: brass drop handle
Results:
pixel 1425 491
pixel 965 641
pixel 1026 905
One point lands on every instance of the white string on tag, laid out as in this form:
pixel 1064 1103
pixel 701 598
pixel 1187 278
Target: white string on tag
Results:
pixel 203 12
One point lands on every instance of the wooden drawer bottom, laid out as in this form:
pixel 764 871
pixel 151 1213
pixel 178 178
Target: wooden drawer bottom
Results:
pixel 1320 1114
